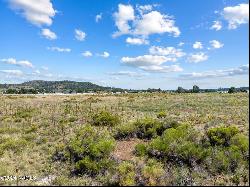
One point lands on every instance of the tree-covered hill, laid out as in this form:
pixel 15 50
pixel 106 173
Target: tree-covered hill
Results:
pixel 40 86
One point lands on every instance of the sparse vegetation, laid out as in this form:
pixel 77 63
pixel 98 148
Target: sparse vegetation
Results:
pixel 126 139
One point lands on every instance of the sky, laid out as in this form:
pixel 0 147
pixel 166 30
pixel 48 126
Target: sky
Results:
pixel 126 44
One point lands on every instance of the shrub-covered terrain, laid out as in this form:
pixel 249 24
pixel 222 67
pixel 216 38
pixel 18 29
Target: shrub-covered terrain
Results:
pixel 127 139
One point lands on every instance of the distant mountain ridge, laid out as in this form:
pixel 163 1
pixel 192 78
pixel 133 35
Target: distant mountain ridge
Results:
pixel 57 86
pixel 66 86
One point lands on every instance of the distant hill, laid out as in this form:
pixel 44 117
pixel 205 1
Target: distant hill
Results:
pixel 40 86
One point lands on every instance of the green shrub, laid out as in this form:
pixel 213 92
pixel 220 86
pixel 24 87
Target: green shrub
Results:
pixel 147 128
pixel 161 114
pixel 31 128
pixel 218 162
pixel 24 113
pixel 140 149
pixel 242 142
pixel 225 159
pixel 126 174
pixel 221 135
pixel 125 131
pixel 12 144
pixel 105 118
pixel 90 150
pixel 72 119
pixel 180 144
pixel 153 173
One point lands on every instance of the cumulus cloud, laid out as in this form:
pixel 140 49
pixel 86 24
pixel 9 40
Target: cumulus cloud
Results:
pixel 58 49
pixel 22 63
pixel 181 44
pixel 80 35
pixel 137 41
pixel 216 44
pixel 144 8
pixel 155 23
pixel 236 15
pixel 170 52
pixel 197 57
pixel 122 17
pixel 162 69
pixel 104 55
pixel 37 12
pixel 87 54
pixel 241 70
pixel 98 17
pixel 197 45
pixel 44 68
pixel 217 25
pixel 11 73
pixel 145 60
pixel 151 63
pixel 128 73
pixel 48 34
pixel 148 22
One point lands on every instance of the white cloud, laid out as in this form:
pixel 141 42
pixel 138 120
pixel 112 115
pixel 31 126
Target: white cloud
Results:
pixel 128 73
pixel 181 44
pixel 236 15
pixel 87 54
pixel 37 12
pixel 48 34
pixel 145 60
pixel 44 68
pixel 216 44
pixel 216 26
pixel 197 45
pixel 172 53
pixel 151 63
pixel 197 57
pixel 155 23
pixel 22 63
pixel 152 22
pixel 105 54
pixel 122 17
pixel 137 41
pixel 80 35
pixel 16 73
pixel 98 17
pixel 242 70
pixel 162 69
pixel 59 49
pixel 36 72
pixel 144 8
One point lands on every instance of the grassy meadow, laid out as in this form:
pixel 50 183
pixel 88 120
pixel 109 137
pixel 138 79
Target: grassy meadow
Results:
pixel 125 139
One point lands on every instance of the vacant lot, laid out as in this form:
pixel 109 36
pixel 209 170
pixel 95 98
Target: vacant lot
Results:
pixel 112 139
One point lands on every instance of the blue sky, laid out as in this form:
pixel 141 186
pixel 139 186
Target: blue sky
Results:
pixel 127 44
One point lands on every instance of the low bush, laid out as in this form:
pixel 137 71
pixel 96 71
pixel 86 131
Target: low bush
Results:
pixel 90 150
pixel 105 118
pixel 161 114
pixel 125 131
pixel 180 144
pixel 14 144
pixel 140 149
pixel 146 128
pixel 242 142
pixel 126 174
pixel 221 135
pixel 153 173
pixel 24 113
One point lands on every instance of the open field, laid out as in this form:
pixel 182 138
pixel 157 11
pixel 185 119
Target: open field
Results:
pixel 37 139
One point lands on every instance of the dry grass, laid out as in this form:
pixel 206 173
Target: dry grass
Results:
pixel 42 122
